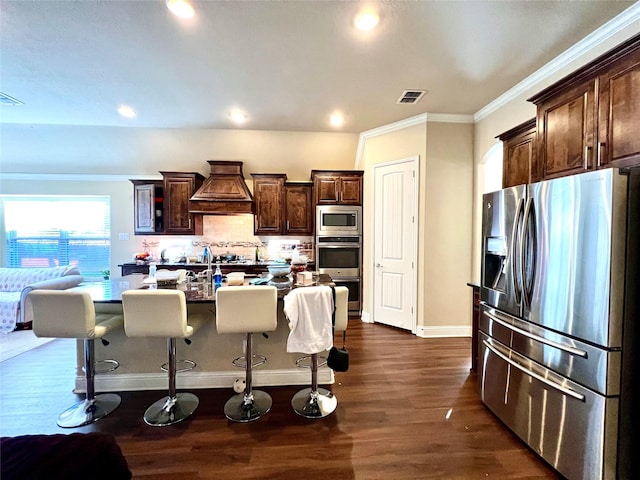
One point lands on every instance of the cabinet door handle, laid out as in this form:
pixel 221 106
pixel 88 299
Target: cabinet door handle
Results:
pixel 287 224
pixel 586 156
pixel 601 148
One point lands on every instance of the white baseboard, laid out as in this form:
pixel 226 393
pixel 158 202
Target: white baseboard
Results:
pixel 443 331
pixel 113 382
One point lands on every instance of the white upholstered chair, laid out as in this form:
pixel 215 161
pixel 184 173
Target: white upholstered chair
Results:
pixel 71 314
pixel 318 402
pixel 163 313
pixel 247 309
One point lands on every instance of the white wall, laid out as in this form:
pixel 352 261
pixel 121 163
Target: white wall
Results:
pixel 43 160
pixel 444 218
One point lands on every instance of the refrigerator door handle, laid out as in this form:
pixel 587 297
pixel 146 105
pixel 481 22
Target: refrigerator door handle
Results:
pixel 515 252
pixel 525 246
pixel 540 378
pixel 565 348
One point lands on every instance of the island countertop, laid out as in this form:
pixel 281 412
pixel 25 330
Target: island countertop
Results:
pixel 110 291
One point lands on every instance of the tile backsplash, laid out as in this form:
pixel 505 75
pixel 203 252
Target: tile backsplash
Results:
pixel 228 234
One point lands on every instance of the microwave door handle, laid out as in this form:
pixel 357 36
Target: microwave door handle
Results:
pixel 540 378
pixel 515 248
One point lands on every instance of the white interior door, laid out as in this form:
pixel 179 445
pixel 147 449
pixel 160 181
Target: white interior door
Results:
pixel 395 237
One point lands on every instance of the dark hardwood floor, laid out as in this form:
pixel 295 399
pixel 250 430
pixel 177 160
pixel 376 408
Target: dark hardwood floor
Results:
pixel 408 409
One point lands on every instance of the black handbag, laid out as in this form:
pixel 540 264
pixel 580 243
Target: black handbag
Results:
pixel 338 359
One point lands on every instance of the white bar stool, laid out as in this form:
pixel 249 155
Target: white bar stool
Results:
pixel 247 309
pixel 318 402
pixel 71 314
pixel 163 313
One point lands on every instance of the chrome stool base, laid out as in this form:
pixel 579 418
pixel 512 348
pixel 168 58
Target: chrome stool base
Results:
pixel 89 411
pixel 239 410
pixel 319 404
pixel 170 410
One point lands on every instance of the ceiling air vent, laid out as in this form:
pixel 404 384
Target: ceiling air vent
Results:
pixel 411 96
pixel 7 100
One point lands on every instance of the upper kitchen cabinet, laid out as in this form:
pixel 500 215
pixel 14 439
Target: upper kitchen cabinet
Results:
pixel 178 189
pixel 281 207
pixel 619 110
pixel 268 205
pixel 148 207
pixel 519 154
pixel 588 120
pixel 298 208
pixel 566 129
pixel 337 187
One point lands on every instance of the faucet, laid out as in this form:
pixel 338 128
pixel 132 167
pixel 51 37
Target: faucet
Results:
pixel 209 263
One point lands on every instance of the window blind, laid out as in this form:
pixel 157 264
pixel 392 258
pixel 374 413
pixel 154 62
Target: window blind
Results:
pixel 46 231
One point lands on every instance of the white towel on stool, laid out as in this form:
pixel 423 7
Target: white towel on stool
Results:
pixel 309 311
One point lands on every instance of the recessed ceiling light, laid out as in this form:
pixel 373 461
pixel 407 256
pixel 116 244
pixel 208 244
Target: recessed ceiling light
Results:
pixel 366 20
pixel 180 8
pixel 238 116
pixel 336 119
pixel 126 111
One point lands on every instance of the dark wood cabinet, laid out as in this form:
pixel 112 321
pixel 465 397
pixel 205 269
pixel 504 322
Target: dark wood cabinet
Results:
pixel 519 154
pixel 337 187
pixel 619 112
pixel 267 196
pixel 298 208
pixel 588 120
pixel 566 131
pixel 178 189
pixel 281 207
pixel 162 206
pixel 475 324
pixel 148 207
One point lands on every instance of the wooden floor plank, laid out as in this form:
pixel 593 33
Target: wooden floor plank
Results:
pixel 408 409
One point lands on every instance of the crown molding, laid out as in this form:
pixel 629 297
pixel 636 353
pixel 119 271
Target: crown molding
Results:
pixel 70 177
pixel 595 38
pixel 449 118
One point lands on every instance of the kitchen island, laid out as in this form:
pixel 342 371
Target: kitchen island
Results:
pixel 140 358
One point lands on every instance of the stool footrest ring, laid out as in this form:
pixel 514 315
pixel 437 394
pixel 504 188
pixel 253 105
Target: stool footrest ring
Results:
pixel 104 366
pixel 188 365
pixel 322 361
pixel 241 361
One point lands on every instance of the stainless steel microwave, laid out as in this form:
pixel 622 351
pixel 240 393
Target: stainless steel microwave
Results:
pixel 338 220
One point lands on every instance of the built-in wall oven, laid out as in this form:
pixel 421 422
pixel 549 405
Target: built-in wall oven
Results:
pixel 339 248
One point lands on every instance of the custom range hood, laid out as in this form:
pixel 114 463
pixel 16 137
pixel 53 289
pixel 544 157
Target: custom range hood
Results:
pixel 224 192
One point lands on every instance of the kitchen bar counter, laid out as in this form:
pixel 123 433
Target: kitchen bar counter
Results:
pixel 140 358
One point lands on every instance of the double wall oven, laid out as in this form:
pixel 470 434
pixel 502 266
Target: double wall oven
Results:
pixel 339 248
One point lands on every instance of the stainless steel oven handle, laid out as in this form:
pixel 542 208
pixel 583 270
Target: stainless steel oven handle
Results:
pixel 540 378
pixel 538 338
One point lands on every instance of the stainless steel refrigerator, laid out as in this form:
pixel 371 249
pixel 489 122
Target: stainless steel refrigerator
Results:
pixel 558 340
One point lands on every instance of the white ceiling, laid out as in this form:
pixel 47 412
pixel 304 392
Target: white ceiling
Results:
pixel 289 64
